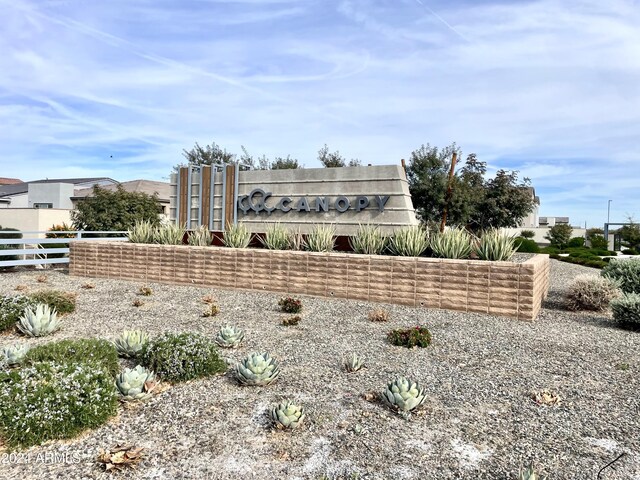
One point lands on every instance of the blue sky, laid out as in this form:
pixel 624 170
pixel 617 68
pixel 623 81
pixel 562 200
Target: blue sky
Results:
pixel 550 88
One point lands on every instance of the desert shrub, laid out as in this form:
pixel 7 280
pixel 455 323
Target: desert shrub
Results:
pixel 169 234
pixel 200 237
pixel 321 239
pixel 276 237
pixel 368 240
pixel 178 357
pixel 409 241
pixel 410 337
pixel 378 315
pixel 236 236
pixel 528 234
pixel 524 245
pixel 62 302
pixel 559 235
pixel 591 292
pixel 290 305
pixel 49 400
pixel 495 246
pixel 598 241
pixel 575 242
pixel 452 243
pixel 143 231
pixel 627 272
pixel 629 251
pixel 290 321
pixel 626 309
pixel 12 308
pixel 85 350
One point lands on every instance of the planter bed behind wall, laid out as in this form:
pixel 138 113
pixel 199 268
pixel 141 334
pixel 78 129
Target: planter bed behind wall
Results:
pixel 502 288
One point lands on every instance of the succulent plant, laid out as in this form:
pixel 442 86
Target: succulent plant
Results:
pixel 257 369
pixel 403 395
pixel 40 322
pixel 287 415
pixel 211 310
pixel 14 354
pixel 529 473
pixel 130 343
pixel 229 336
pixel 136 383
pixel 353 363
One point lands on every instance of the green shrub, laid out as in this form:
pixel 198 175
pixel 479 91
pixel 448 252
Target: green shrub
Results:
pixel 290 305
pixel 524 245
pixel 177 357
pixel 603 252
pixel 559 235
pixel 528 234
pixel 627 272
pixel 47 401
pixel 321 239
pixel 575 242
pixel 409 241
pixel 626 309
pixel 236 236
pixel 63 302
pixel 410 337
pixel 495 246
pixel 629 251
pixel 452 243
pixel 598 241
pixel 591 292
pixel 85 350
pixel 4 258
pixel 550 250
pixel 12 307
pixel 368 240
pixel 276 237
pixel 63 227
pixel 200 237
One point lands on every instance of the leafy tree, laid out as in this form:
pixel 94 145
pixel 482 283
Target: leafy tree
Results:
pixel 559 235
pixel 598 241
pixel 476 203
pixel 355 162
pixel 280 163
pixel 208 155
pixel 527 234
pixel 108 210
pixel 330 159
pixel 630 234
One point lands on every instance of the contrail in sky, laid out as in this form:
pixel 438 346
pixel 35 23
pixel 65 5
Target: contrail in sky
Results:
pixel 448 25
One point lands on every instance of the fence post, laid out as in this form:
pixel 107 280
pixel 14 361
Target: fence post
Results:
pixel 79 234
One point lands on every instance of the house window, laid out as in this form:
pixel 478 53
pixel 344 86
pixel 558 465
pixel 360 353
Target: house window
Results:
pixel 43 205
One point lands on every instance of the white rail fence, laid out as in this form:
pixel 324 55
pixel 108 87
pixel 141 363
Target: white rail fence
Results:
pixel 30 250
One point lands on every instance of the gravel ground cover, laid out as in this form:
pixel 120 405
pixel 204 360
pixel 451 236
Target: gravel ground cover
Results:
pixel 478 422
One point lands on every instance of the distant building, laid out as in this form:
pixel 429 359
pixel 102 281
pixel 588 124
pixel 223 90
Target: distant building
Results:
pixel 531 220
pixel 9 181
pixel 553 221
pixel 54 193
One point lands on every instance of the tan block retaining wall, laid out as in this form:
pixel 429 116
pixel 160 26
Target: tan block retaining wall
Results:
pixel 501 288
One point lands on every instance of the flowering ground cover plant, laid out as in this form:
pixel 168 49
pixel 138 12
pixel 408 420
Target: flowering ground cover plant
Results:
pixel 290 305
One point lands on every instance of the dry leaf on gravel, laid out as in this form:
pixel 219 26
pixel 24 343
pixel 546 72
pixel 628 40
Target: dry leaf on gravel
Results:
pixel 121 457
pixel 545 397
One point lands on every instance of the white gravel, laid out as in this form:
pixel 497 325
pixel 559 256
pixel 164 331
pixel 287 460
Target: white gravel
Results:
pixel 478 422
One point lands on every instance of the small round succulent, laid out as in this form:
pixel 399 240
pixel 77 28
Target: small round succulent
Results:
pixel 39 322
pixel 257 369
pixel 136 383
pixel 286 415
pixel 229 336
pixel 13 354
pixel 403 395
pixel 130 343
pixel 353 363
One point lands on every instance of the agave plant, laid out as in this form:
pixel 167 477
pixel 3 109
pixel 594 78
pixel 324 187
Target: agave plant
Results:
pixel 170 234
pixel 229 336
pixel 495 245
pixel 287 415
pixel 368 240
pixel 353 363
pixel 236 236
pixel 40 322
pixel 321 239
pixel 529 473
pixel 143 231
pixel 136 383
pixel 130 343
pixel 452 243
pixel 257 369
pixel 276 237
pixel 403 395
pixel 14 354
pixel 200 237
pixel 409 242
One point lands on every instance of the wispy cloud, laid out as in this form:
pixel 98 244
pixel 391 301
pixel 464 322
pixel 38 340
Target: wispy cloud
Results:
pixel 548 87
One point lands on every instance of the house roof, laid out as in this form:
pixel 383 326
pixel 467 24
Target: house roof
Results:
pixel 163 189
pixel 23 187
pixel 9 181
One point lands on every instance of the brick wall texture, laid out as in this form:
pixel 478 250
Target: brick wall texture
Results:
pixel 500 288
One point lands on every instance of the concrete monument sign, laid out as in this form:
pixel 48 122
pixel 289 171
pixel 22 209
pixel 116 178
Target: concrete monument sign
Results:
pixel 299 198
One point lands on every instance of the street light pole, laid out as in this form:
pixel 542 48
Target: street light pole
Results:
pixel 608 209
